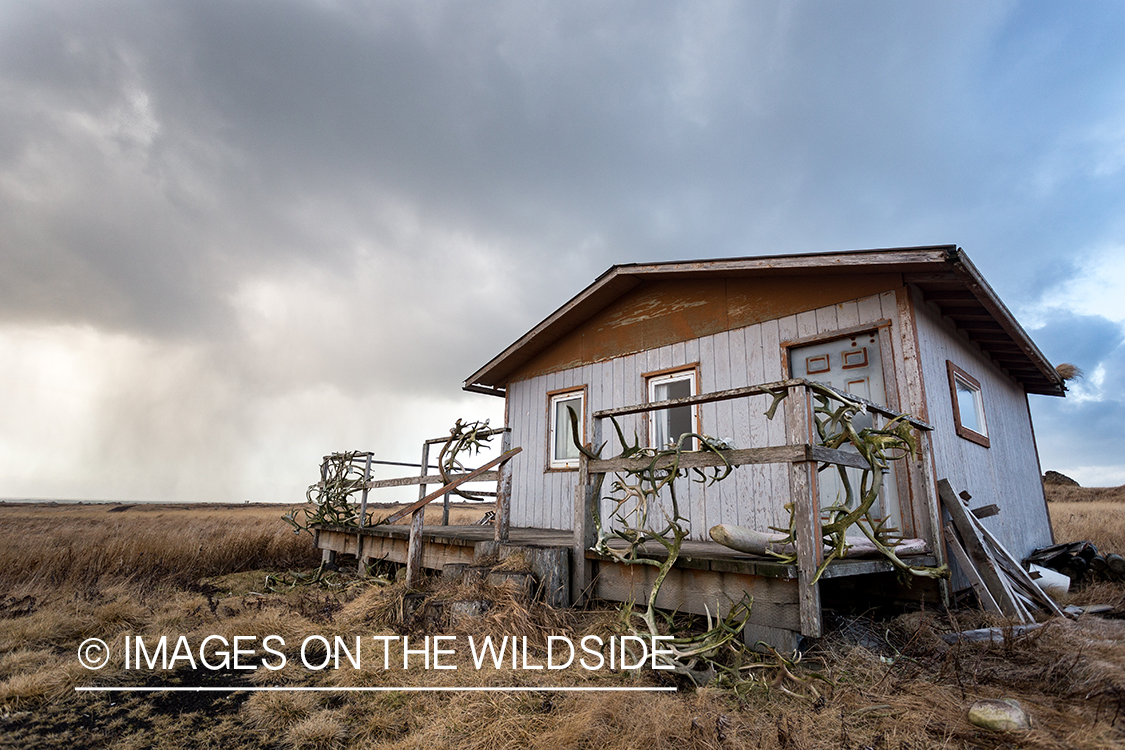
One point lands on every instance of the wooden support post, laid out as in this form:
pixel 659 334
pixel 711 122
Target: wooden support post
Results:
pixel 425 469
pixel 926 484
pixel 805 497
pixel 503 492
pixel 414 549
pixel 361 569
pixel 585 535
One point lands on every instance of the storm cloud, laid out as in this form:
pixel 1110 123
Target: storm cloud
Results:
pixel 237 236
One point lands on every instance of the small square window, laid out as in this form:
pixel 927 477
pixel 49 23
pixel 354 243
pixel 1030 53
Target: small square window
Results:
pixel 667 425
pixel 968 405
pixel 563 453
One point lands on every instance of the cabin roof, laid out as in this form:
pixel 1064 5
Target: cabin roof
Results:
pixel 944 274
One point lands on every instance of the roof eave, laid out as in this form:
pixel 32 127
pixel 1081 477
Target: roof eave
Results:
pixel 973 279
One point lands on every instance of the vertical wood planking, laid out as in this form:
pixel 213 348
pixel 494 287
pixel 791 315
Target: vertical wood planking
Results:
pixel 693 496
pixel 515 420
pixel 888 305
pixel 728 489
pixel 754 496
pixel 870 309
pixel 708 498
pixel 743 478
pixel 618 398
pixel 826 319
pixel 550 500
pixel 847 314
pixel 539 499
pixel 1000 473
pixel 758 515
pixel 776 370
pixel 806 325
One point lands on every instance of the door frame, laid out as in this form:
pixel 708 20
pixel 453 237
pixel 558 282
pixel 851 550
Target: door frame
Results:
pixel 883 328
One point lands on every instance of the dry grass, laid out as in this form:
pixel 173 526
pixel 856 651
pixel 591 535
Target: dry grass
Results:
pixel 1096 514
pixel 1062 493
pixel 78 547
pixel 1102 523
pixel 141 572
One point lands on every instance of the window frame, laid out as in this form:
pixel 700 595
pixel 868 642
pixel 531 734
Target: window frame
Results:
pixel 957 374
pixel 651 380
pixel 553 397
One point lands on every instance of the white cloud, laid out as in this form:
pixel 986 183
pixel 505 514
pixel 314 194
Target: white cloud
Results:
pixel 1096 288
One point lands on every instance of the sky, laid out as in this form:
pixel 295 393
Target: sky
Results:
pixel 237 235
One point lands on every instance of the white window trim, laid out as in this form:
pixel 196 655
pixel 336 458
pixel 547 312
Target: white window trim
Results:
pixel 690 374
pixel 552 400
pixel 957 375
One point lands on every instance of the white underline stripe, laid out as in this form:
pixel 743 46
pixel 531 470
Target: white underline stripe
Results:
pixel 379 689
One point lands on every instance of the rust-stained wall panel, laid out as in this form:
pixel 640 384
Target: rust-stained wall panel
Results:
pixel 666 312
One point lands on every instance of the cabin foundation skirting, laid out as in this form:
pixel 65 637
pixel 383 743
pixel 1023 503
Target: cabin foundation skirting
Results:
pixel 707 578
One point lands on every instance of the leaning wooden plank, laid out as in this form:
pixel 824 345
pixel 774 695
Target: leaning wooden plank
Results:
pixel 1017 572
pixel 974 546
pixel 378 484
pixel 1023 614
pixel 962 557
pixel 404 512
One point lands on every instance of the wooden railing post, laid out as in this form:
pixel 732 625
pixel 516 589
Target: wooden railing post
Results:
pixel 504 492
pixel 805 497
pixel 417 519
pixel 414 548
pixel 417 512
pixel 361 569
pixel 585 535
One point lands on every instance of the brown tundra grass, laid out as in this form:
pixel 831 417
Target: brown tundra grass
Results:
pixel 1096 514
pixel 68 573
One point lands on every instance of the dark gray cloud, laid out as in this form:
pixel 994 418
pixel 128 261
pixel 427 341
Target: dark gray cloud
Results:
pixel 306 197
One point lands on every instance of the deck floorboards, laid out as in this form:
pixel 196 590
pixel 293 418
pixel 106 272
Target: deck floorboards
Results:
pixel 699 555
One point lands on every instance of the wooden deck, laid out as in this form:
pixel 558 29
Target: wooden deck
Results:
pixel 695 555
pixel 708 578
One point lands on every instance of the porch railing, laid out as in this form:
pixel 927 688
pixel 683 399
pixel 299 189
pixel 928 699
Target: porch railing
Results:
pixel 497 470
pixel 801 452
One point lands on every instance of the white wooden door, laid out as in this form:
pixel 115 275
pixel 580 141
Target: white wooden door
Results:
pixel 852 364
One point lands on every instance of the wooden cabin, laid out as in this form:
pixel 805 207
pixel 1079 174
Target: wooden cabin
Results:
pixel 916 330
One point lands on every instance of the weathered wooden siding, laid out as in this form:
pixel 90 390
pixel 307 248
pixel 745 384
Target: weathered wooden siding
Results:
pixel 744 356
pixel 1006 473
